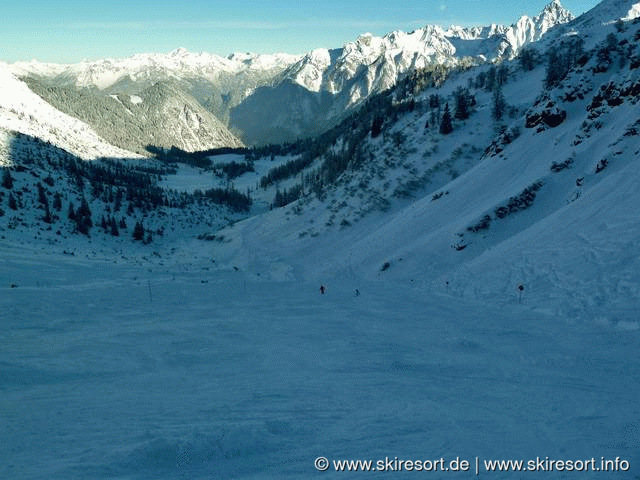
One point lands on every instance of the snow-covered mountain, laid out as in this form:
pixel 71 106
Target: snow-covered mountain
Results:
pixel 499 41
pixel 89 90
pixel 311 91
pixel 218 83
pixel 334 81
pixel 380 61
pixel 161 115
pixel 151 68
pixel 23 111
pixel 493 204
pixel 477 238
pixel 179 120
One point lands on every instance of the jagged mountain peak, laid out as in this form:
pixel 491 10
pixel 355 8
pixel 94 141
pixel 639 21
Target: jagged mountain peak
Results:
pixel 555 6
pixel 470 33
pixel 553 14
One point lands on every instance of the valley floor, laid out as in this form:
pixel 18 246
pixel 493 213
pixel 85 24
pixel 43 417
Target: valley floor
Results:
pixel 151 371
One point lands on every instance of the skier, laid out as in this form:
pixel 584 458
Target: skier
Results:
pixel 322 289
pixel 357 292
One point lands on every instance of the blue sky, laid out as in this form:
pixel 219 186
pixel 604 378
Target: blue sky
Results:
pixel 71 30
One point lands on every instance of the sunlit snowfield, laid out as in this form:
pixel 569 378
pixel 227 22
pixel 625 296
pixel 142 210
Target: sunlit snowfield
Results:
pixel 123 372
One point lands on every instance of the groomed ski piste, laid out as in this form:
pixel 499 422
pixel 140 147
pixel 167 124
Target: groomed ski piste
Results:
pixel 223 360
pixel 111 370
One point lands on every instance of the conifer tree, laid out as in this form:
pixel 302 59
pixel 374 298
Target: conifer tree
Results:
pixel 57 201
pixel 498 104
pixel 83 217
pixel 114 228
pixel 554 69
pixel 47 214
pixel 527 59
pixel 7 179
pixel 42 196
pixel 118 200
pixel 138 231
pixel 84 210
pixel 445 126
pixel 13 205
pixel 434 101
pixel 376 126
pixel 502 75
pixel 462 103
pixel 490 79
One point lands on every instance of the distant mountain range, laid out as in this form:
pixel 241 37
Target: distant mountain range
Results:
pixel 261 98
pixel 320 87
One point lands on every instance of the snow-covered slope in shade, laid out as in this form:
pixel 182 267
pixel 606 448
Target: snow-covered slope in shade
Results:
pixel 113 370
pixel 23 111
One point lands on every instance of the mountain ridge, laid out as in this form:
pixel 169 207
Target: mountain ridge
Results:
pixel 103 73
pixel 349 74
pixel 371 64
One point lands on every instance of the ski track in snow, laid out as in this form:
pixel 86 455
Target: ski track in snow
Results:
pixel 118 371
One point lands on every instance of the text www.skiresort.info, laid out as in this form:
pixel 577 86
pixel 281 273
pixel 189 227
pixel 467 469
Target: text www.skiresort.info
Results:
pixel 477 465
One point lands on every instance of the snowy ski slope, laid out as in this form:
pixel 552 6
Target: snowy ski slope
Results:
pixel 158 372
